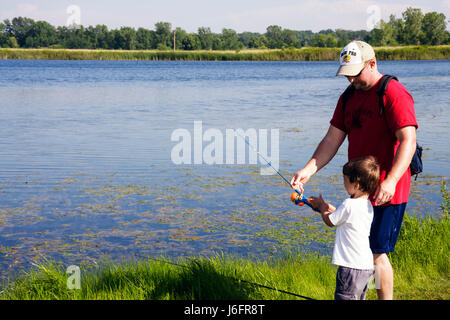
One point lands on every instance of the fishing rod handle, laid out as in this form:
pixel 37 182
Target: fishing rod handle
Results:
pixel 300 201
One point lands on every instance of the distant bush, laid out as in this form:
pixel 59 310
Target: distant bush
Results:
pixel 304 54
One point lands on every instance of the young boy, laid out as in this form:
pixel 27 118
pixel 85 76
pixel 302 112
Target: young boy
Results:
pixel 353 220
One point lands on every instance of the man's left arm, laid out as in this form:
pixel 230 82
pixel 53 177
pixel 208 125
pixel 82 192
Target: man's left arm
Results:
pixel 402 160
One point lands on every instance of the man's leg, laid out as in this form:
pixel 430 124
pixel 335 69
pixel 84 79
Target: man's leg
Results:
pixel 386 224
pixel 384 276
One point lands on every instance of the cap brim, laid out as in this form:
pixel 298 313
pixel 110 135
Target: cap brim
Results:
pixel 350 70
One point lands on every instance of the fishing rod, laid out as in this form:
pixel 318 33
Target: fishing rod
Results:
pixel 297 197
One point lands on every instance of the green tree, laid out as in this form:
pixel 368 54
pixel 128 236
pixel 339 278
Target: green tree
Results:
pixel 3 36
pixel 180 36
pixel 247 37
pixel 205 37
pixel 126 38
pixel 163 34
pixel 397 26
pixel 382 34
pixel 319 40
pixel 97 37
pixel 101 34
pixel 342 36
pixel 274 36
pixel 434 28
pixel 230 40
pixel 191 42
pixel 331 41
pixel 412 28
pixel 217 43
pixel 19 28
pixel 144 39
pixel 289 38
pixel 91 36
pixel 12 42
pixel 73 37
pixel 260 42
pixel 325 40
pixel 305 37
pixel 412 33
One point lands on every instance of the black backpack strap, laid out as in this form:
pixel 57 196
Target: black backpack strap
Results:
pixel 382 86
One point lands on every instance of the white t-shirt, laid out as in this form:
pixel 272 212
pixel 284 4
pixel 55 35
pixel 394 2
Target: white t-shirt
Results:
pixel 353 220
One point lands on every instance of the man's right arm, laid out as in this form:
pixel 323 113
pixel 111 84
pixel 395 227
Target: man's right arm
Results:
pixel 325 151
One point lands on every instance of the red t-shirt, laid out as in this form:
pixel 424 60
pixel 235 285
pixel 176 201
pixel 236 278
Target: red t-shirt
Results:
pixel 370 133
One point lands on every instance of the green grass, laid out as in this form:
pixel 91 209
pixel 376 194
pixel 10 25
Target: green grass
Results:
pixel 213 278
pixel 421 259
pixel 420 262
pixel 303 54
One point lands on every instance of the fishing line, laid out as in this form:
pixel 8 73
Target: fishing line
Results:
pixel 230 277
pixel 268 162
pixel 297 197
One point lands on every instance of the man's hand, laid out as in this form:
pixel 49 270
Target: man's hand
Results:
pixel 300 178
pixel 385 192
pixel 325 151
pixel 402 159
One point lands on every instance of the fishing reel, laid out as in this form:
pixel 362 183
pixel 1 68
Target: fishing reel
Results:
pixel 299 199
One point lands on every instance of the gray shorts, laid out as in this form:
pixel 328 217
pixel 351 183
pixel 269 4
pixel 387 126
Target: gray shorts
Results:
pixel 352 284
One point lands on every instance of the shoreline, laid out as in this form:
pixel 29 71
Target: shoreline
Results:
pixel 291 54
pixel 420 264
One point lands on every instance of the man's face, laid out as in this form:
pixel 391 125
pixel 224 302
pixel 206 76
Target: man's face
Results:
pixel 360 81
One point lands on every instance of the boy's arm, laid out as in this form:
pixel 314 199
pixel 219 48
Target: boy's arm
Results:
pixel 325 209
pixel 325 215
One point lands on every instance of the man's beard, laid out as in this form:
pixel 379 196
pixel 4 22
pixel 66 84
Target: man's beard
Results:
pixel 360 85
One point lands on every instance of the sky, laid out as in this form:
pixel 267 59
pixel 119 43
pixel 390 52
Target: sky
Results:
pixel 239 15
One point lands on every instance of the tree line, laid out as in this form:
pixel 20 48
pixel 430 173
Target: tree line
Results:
pixel 412 28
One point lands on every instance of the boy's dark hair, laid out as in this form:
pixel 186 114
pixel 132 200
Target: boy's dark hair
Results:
pixel 365 171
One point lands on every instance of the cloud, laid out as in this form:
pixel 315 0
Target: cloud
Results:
pixel 34 12
pixel 307 14
pixel 22 10
pixel 317 15
pixel 26 9
pixel 239 15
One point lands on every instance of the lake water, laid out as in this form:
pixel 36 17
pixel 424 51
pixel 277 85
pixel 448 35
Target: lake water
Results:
pixel 85 156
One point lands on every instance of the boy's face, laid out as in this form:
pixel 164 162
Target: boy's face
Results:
pixel 350 187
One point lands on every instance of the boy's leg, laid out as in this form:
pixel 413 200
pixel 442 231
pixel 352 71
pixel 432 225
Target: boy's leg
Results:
pixel 351 284
pixel 364 293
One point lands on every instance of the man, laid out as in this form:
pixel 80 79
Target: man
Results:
pixel 389 136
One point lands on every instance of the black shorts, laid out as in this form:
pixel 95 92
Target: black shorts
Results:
pixel 386 224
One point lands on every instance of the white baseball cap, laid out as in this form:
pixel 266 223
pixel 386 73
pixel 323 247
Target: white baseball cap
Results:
pixel 353 57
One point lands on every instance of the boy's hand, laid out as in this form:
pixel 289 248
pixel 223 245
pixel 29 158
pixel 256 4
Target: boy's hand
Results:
pixel 324 207
pixel 319 203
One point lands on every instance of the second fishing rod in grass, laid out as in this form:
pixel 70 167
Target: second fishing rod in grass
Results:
pixel 298 196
